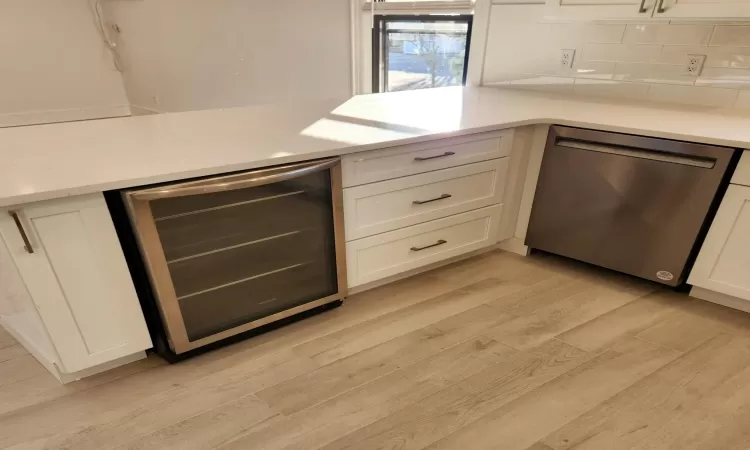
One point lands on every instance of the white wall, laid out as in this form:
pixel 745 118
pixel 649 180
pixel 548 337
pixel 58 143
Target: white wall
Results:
pixel 197 54
pixel 634 61
pixel 53 64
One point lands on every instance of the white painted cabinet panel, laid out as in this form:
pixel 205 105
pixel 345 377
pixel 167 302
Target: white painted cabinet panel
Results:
pixel 600 9
pixel 386 254
pixel 17 310
pixel 647 9
pixel 723 264
pixel 78 280
pixel 742 173
pixel 703 9
pixel 379 207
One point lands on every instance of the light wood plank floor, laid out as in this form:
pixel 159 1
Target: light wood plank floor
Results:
pixel 495 352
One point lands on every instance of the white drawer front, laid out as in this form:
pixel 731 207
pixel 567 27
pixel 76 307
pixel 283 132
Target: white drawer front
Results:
pixel 377 165
pixel 742 174
pixel 387 254
pixel 389 205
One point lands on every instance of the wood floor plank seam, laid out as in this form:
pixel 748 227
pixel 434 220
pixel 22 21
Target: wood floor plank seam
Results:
pixel 555 314
pixel 376 317
pixel 397 369
pixel 612 396
pixel 405 376
pixel 584 356
pixel 494 302
pixel 557 338
pixel 464 294
pixel 677 377
pixel 186 419
pixel 663 346
pixel 442 442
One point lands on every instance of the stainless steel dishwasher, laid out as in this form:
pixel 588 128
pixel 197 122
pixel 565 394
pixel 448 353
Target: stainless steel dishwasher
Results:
pixel 633 204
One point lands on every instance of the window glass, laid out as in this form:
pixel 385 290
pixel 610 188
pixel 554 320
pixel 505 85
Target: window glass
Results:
pixel 422 53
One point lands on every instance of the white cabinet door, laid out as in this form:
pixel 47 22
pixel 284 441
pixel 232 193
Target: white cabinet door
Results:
pixel 723 264
pixel 703 9
pixel 78 280
pixel 599 9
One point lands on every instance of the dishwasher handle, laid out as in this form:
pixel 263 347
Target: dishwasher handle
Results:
pixel 642 153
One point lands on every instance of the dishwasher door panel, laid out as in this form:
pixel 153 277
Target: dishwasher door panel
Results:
pixel 626 203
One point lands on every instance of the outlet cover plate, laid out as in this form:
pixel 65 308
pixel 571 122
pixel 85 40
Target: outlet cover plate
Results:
pixel 694 64
pixel 566 57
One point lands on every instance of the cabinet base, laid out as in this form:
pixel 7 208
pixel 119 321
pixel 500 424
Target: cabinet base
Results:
pixel 720 299
pixel 52 367
pixel 65 377
pixel 514 245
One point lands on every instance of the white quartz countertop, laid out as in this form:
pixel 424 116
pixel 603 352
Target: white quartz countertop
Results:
pixel 57 160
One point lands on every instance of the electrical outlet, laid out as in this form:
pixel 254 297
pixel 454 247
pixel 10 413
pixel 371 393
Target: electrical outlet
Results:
pixel 694 64
pixel 566 58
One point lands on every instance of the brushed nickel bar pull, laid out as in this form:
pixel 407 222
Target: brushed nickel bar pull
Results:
pixel 422 202
pixel 427 158
pixel 661 8
pixel 642 8
pixel 19 225
pixel 236 181
pixel 440 242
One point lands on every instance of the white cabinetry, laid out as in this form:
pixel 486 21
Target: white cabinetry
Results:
pixel 600 9
pixel 70 299
pixel 647 9
pixel 415 205
pixel 398 251
pixel 703 9
pixel 723 264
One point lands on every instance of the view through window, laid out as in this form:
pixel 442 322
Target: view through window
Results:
pixel 416 52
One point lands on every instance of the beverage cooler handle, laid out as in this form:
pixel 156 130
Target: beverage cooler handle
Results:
pixel 236 181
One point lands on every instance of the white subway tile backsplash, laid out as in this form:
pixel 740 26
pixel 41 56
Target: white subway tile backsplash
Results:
pixel 691 95
pixel 726 78
pixel 668 34
pixel 544 83
pixel 504 77
pixel 743 100
pixel 621 52
pixel 612 89
pixel 677 54
pixel 731 35
pixel 633 61
pixel 652 73
pixel 562 34
pixel 731 57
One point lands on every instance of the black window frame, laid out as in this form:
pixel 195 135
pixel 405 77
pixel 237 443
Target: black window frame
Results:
pixel 380 41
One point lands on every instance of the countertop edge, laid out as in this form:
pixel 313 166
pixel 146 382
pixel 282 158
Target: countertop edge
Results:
pixel 17 200
pixel 359 124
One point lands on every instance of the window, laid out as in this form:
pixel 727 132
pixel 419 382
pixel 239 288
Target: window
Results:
pixel 419 51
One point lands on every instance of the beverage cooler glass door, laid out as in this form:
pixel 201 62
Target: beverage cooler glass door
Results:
pixel 231 253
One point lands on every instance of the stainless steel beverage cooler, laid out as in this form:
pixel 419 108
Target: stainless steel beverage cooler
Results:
pixel 227 254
